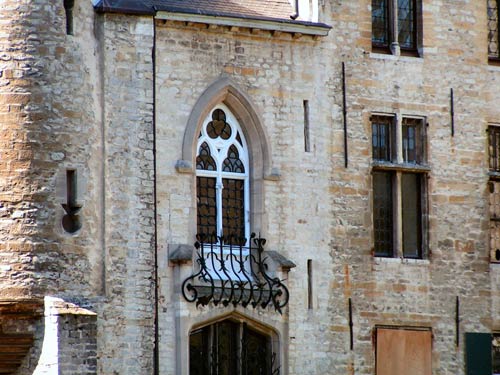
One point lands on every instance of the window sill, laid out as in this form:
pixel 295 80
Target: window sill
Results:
pixel 408 261
pixel 494 175
pixel 405 167
pixel 494 61
pixel 388 56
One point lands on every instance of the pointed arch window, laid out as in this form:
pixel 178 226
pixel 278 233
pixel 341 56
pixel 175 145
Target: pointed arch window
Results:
pixel 230 347
pixel 222 178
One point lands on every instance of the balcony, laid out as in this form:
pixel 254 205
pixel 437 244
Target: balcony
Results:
pixel 236 271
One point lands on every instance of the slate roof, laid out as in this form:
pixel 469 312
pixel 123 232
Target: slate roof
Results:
pixel 279 10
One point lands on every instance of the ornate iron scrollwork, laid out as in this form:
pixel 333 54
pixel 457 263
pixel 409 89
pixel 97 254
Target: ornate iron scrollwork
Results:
pixel 231 273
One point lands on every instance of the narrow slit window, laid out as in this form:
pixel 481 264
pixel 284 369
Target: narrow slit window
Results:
pixel 71 187
pixel 309 284
pixel 68 10
pixel 307 142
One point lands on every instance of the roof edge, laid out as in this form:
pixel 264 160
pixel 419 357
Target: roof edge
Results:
pixel 264 23
pixel 107 6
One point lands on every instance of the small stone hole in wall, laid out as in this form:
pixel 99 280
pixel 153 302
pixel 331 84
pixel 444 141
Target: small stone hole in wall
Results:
pixel 68 9
pixel 71 221
pixel 497 255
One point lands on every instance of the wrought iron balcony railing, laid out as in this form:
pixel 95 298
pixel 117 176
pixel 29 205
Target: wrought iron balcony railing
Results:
pixel 233 271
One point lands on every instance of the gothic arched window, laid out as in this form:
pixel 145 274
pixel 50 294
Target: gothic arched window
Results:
pixel 228 348
pixel 222 183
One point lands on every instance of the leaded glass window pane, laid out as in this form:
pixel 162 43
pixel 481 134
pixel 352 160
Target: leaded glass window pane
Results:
pixel 204 160
pixel 494 148
pixel 233 209
pixel 382 213
pixel 412 140
pixel 380 23
pixel 407 24
pixel 222 153
pixel 233 163
pixel 412 215
pixel 494 187
pixel 207 209
pixel 381 137
pixel 493 29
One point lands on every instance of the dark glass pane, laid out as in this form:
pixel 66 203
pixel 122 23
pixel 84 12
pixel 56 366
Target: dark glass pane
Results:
pixel 218 127
pixel 493 29
pixel 412 142
pixel 412 215
pixel 233 209
pixel 494 146
pixel 204 160
pixel 199 352
pixel 381 137
pixel 227 348
pixel 407 24
pixel 380 23
pixel 233 163
pixel 256 356
pixel 206 208
pixel 382 213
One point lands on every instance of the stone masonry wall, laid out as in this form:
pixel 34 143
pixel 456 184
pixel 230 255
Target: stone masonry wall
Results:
pixel 126 324
pixel 86 102
pixel 321 210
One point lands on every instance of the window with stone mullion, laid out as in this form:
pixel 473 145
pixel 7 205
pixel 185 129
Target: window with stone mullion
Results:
pixel 387 28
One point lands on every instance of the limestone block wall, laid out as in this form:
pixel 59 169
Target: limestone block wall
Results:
pixel 275 72
pixel 96 102
pixel 126 314
pixel 320 210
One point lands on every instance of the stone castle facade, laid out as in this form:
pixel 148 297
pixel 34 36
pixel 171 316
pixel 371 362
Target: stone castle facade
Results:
pixel 366 155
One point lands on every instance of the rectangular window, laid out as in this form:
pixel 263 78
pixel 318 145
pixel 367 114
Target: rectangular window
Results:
pixel 493 29
pixel 399 187
pixel 403 351
pixel 401 30
pixel 383 213
pixel 412 215
pixel 233 210
pixel 207 208
pixel 494 148
pixel 494 188
pixel 413 150
pixel 382 129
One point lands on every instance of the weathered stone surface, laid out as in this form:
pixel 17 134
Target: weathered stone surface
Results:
pixel 96 102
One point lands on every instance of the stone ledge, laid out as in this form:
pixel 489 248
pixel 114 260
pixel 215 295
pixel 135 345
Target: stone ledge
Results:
pixel 181 253
pixel 285 263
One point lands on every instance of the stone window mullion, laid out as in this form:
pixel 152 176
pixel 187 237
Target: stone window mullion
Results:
pixel 395 48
